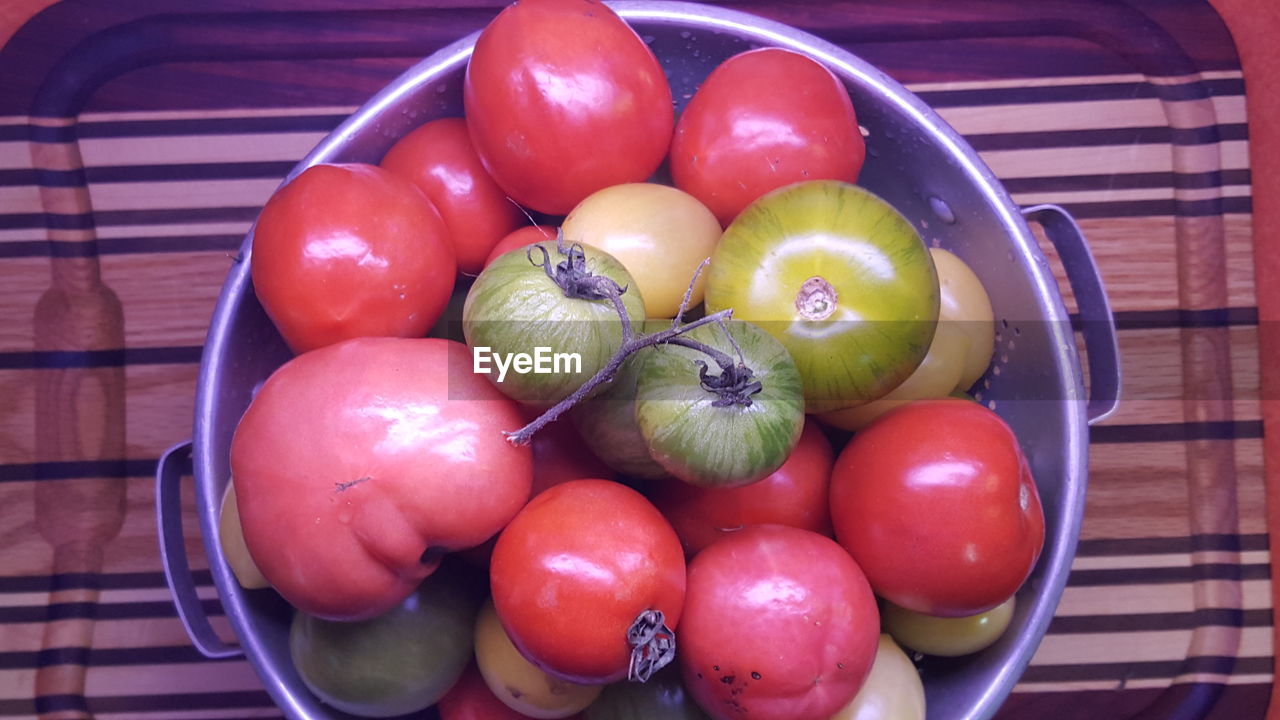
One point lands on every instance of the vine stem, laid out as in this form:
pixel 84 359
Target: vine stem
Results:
pixel 733 385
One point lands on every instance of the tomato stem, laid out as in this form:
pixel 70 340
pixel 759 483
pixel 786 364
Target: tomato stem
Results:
pixel 653 645
pixel 734 385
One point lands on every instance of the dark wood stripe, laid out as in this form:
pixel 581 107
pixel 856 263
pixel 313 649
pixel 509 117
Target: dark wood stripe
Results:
pixel 1169 575
pixel 1077 93
pixel 94 581
pixel 70 469
pixel 138 703
pixel 1180 318
pixel 1110 547
pixel 104 657
pixel 1224 617
pixel 1176 432
pixel 97 611
pixel 1150 669
pixel 1108 136
pixel 120 246
pixel 61 359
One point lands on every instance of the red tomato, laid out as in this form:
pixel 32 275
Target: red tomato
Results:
pixel 575 569
pixel 779 624
pixel 764 119
pixel 439 159
pixel 795 495
pixel 347 251
pixel 936 502
pixel 358 465
pixel 562 99
pixel 521 237
pixel 471 699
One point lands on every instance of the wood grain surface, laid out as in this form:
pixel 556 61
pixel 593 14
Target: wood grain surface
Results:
pixel 121 210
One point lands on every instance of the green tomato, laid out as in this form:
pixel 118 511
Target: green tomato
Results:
pixel 947 637
pixel 661 697
pixel 719 446
pixel 840 278
pixel 607 422
pixel 892 691
pixel 399 662
pixel 517 317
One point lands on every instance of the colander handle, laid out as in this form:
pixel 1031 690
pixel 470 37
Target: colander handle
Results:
pixel 175 463
pixel 1096 322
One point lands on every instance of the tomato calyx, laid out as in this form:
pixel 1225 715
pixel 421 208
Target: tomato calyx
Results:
pixel 734 386
pixel 653 645
pixel 816 299
pixel 572 276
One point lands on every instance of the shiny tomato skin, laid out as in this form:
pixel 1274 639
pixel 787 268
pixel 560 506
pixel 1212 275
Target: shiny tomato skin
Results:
pixel 347 251
pixel 562 99
pixel 521 237
pixel 575 568
pixel 358 465
pixel 794 495
pixel 779 624
pixel 764 119
pixel 936 502
pixel 438 158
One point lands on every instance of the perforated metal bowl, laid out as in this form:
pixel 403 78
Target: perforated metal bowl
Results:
pixel 915 161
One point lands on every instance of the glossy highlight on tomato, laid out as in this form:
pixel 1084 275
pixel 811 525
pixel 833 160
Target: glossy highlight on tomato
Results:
pixel 575 569
pixel 346 251
pixel 438 158
pixel 562 99
pixel 764 119
pixel 359 465
pixel 936 502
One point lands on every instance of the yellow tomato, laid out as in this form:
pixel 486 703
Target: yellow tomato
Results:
pixel 518 683
pixel 233 548
pixel 893 690
pixel 660 234
pixel 937 376
pixel 966 306
pixel 946 637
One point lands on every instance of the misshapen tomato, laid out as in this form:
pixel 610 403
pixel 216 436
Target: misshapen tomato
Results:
pixel 795 495
pixel 575 569
pixel 438 158
pixel 358 465
pixel 347 251
pixel 764 119
pixel 779 624
pixel 562 99
pixel 936 502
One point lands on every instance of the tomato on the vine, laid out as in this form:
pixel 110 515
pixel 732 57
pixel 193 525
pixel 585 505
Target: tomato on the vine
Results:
pixel 779 624
pixel 600 555
pixel 515 308
pixel 794 494
pixel 562 99
pixel 712 437
pixel 359 465
pixel 347 251
pixel 936 502
pixel 438 158
pixel 764 119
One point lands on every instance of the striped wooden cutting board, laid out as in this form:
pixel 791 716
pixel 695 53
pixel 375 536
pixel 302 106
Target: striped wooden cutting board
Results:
pixel 1142 136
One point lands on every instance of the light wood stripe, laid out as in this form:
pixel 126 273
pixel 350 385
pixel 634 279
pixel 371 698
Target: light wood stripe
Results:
pixel 1086 115
pixel 1060 80
pixel 1082 648
pixel 1140 684
pixel 1145 599
pixel 1125 562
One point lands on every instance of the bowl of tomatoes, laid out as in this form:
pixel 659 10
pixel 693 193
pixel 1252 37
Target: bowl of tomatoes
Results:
pixel 642 359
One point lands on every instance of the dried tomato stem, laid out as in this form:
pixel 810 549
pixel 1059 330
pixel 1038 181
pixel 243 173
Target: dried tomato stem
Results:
pixel 653 645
